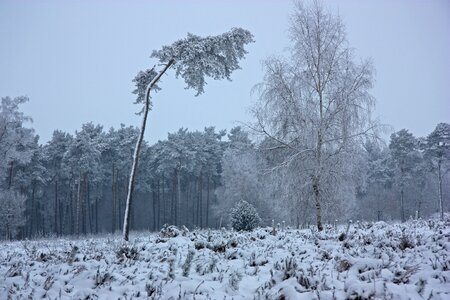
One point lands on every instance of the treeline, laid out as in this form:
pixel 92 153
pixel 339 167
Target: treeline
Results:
pixel 77 183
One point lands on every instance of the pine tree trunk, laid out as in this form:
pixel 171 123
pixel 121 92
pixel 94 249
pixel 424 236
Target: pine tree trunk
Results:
pixel 207 201
pixel 96 214
pixel 154 206
pixel 62 216
pixel 158 223
pixel 402 205
pixel 33 211
pixel 11 169
pixel 164 217
pixel 78 213
pixel 441 202
pixel 56 208
pixel 126 221
pixel 172 202
pixel 113 200
pixel 200 202
pixel 178 204
pixel 89 207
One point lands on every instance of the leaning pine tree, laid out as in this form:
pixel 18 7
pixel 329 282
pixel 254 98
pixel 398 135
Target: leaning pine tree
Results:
pixel 193 58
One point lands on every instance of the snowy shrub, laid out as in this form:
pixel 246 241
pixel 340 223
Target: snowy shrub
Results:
pixel 169 231
pixel 234 280
pixel 200 244
pixel 289 267
pixel 188 262
pixel 233 243
pixel 71 255
pixel 218 247
pixel 102 278
pixel 126 252
pixel 244 217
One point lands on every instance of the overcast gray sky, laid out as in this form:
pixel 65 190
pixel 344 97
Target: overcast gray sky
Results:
pixel 75 59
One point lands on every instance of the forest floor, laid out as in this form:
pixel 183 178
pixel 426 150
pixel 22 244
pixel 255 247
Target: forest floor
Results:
pixel 360 261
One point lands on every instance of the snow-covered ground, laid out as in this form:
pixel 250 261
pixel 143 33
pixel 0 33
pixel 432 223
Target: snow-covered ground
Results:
pixel 371 261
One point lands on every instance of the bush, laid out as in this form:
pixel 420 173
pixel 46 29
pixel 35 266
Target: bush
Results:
pixel 244 216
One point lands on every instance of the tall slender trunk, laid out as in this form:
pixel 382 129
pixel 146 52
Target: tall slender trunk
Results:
pixel 207 201
pixel 62 216
pixel 56 208
pixel 173 198
pixel 89 207
pixel 316 179
pixel 164 217
pixel 71 210
pixel 153 185
pixel 96 214
pixel 188 202
pixel 178 204
pixel 78 213
pixel 11 169
pixel 402 207
pixel 441 202
pixel 316 188
pixel 126 226
pixel 194 203
pixel 113 200
pixel 33 211
pixel 158 223
pixel 200 202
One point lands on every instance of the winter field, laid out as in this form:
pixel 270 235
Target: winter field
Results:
pixel 356 261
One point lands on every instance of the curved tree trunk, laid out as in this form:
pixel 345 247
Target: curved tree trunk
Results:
pixel 126 220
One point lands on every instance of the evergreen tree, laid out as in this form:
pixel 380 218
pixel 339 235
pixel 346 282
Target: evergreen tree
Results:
pixel 437 152
pixel 404 154
pixel 193 58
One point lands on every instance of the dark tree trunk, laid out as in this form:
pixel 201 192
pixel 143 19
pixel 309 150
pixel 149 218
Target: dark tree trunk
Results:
pixel 207 201
pixel 113 201
pixel 153 185
pixel 178 202
pixel 33 211
pixel 402 205
pixel 56 208
pixel 79 207
pixel 200 202
pixel 11 169
pixel 441 201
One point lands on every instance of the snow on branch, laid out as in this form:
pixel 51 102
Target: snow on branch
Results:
pixel 213 56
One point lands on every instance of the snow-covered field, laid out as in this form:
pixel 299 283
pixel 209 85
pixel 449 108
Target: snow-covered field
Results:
pixel 371 261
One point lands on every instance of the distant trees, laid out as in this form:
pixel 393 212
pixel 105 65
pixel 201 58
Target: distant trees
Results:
pixel 77 183
pixel 193 58
pixel 11 213
pixel 15 139
pixel 404 154
pixel 16 151
pixel 241 178
pixel 437 152
pixel 315 105
pixel 407 170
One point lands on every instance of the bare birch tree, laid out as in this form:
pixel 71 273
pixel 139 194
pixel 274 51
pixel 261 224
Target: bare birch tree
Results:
pixel 193 58
pixel 316 104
